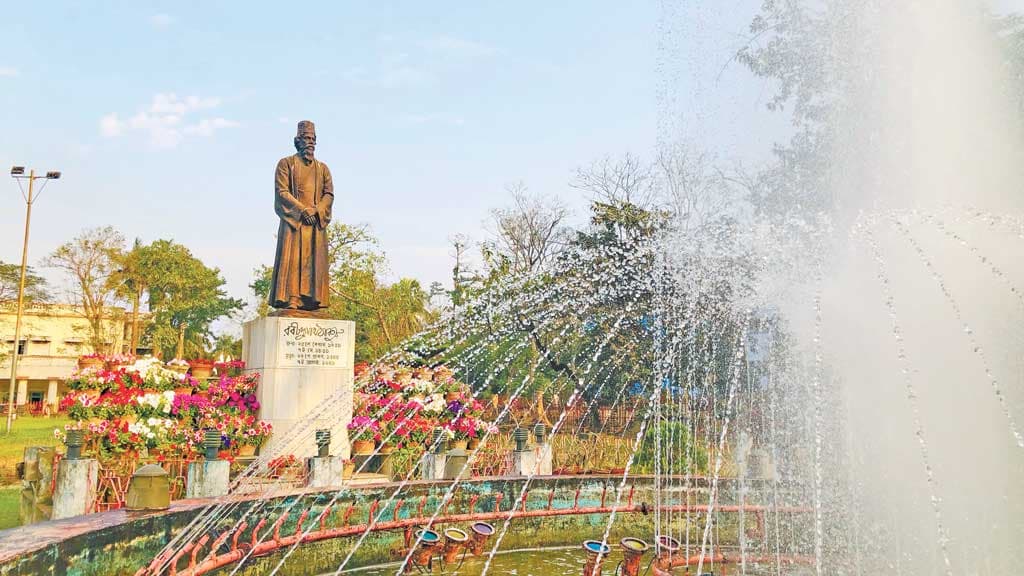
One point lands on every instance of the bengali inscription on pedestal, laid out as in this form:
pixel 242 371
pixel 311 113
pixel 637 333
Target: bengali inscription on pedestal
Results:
pixel 311 343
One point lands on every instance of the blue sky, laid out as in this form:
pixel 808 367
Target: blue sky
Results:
pixel 167 118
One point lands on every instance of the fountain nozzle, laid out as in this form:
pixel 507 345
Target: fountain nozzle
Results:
pixel 482 532
pixel 596 551
pixel 632 551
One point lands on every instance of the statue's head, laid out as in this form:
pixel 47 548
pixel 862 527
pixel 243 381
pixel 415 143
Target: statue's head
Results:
pixel 305 139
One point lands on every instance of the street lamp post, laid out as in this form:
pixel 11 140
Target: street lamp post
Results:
pixel 18 172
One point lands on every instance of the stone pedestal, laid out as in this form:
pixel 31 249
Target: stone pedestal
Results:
pixel 75 490
pixel 325 472
pixel 36 482
pixel 532 462
pixel 207 479
pixel 305 363
pixel 455 465
pixel 432 466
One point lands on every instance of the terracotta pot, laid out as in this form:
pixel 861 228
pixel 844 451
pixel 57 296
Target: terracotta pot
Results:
pixel 179 368
pixel 458 444
pixel 386 449
pixel 90 363
pixel 114 366
pixel 451 396
pixel 130 418
pixel 363 446
pixel 182 390
pixel 246 450
pixel 150 391
pixel 473 444
pixel 201 372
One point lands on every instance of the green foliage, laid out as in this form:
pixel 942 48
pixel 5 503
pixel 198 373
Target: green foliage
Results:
pixel 90 260
pixel 36 289
pixel 185 296
pixel 227 345
pixel 678 451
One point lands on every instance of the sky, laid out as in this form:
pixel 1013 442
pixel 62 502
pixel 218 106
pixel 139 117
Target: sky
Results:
pixel 167 118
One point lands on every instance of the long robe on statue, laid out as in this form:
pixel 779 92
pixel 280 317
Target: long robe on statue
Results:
pixel 301 276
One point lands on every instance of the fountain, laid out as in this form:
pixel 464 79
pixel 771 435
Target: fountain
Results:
pixel 793 394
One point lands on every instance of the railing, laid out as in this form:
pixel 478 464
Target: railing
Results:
pixel 211 552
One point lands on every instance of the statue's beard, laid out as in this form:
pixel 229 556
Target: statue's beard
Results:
pixel 306 153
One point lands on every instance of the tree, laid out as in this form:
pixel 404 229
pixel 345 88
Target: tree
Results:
pixel 814 54
pixel 36 288
pixel 185 297
pixel 129 284
pixel 89 260
pixel 529 233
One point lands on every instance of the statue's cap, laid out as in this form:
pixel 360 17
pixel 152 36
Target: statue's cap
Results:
pixel 305 126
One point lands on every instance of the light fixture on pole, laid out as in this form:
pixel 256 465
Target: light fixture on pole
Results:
pixel 18 173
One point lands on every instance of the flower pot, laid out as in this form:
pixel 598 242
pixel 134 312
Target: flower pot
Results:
pixel 94 394
pixel 363 446
pixel 459 444
pixel 386 448
pixel 201 371
pixel 179 368
pixel 130 418
pixel 86 363
pixel 451 397
pixel 246 450
pixel 473 444
pixel 183 391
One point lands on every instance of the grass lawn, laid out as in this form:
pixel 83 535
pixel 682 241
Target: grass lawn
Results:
pixel 9 497
pixel 27 431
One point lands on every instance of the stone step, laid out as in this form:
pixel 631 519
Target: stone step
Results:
pixel 366 478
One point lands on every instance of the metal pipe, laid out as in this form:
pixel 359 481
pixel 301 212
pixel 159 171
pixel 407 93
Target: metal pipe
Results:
pixel 267 547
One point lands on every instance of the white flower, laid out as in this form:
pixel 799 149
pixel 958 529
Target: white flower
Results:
pixel 436 404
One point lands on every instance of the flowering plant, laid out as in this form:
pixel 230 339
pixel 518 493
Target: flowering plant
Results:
pixel 364 428
pixel 156 403
pixel 190 407
pixel 462 428
pixel 230 367
pixel 93 379
pixel 256 433
pixel 155 375
pixel 152 431
pixel 123 359
pixel 408 404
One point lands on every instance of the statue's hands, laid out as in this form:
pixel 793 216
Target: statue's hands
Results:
pixel 308 216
